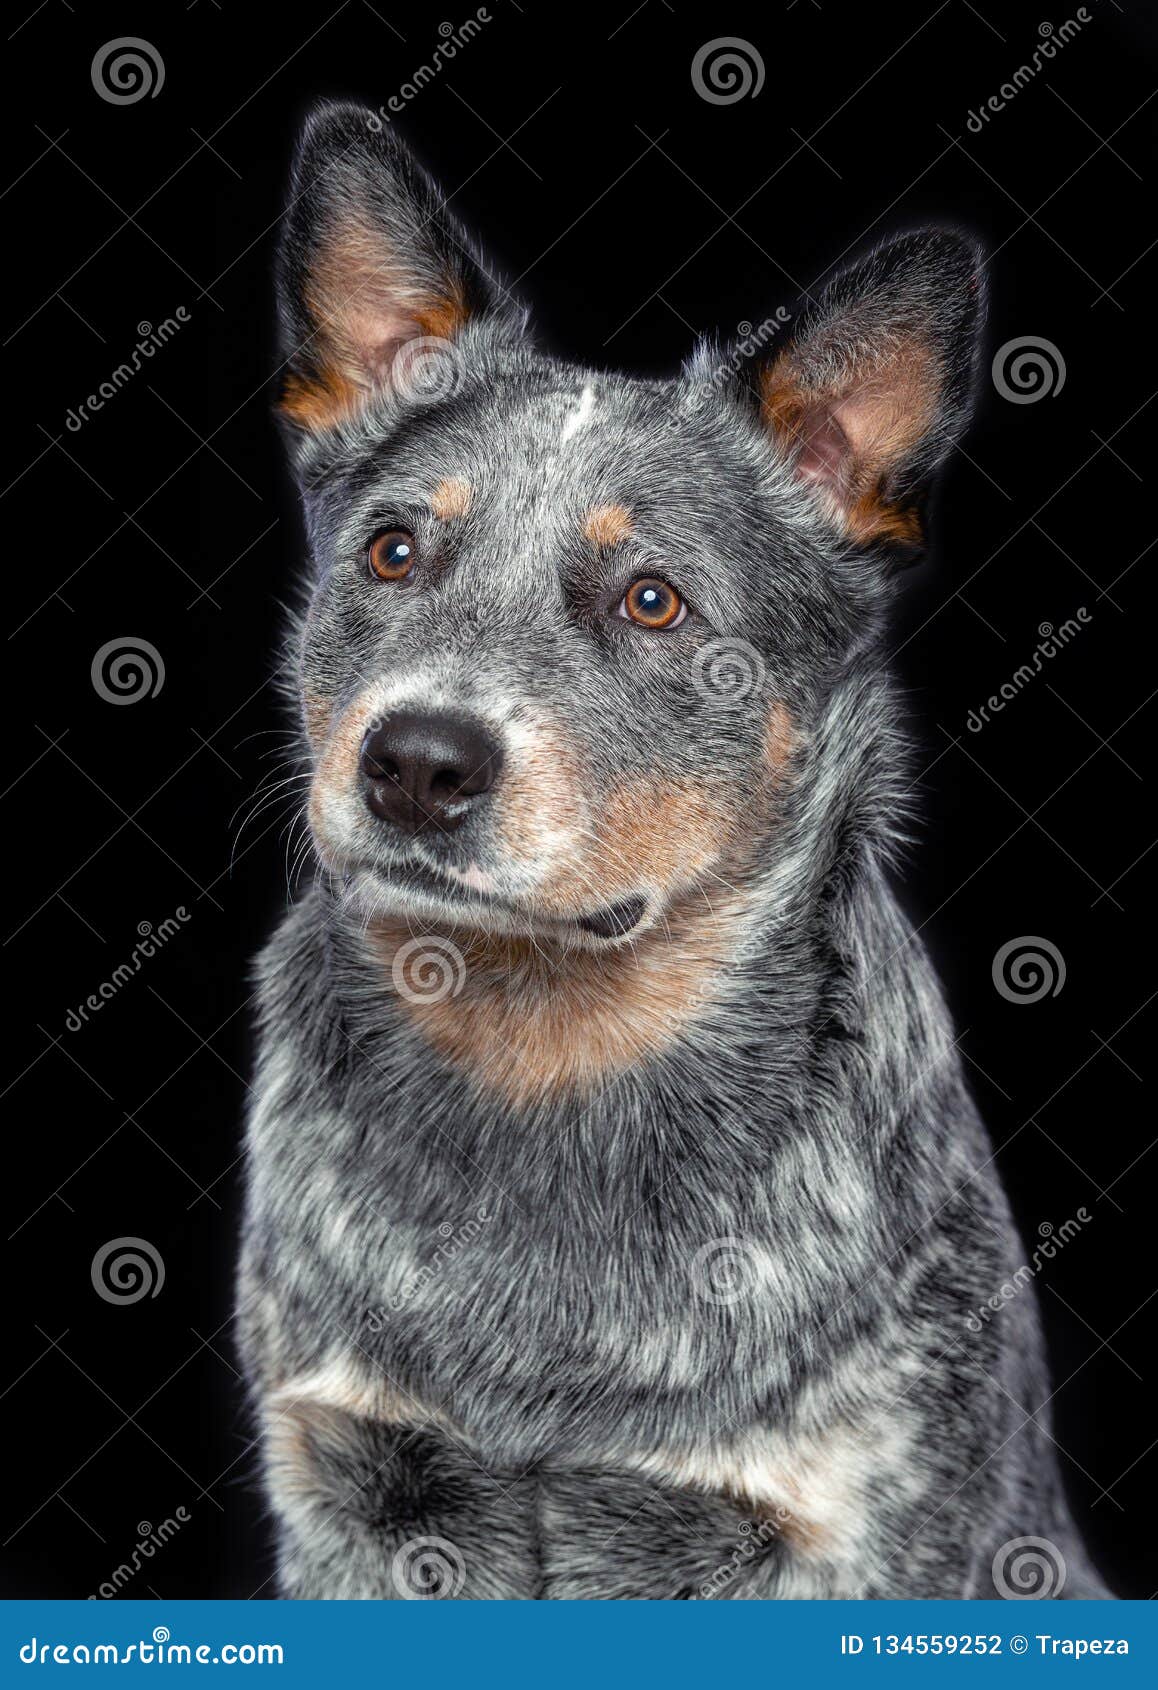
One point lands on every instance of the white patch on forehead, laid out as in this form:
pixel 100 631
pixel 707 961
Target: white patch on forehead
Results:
pixel 580 416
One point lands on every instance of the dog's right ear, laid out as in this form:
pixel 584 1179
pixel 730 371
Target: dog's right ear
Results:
pixel 370 262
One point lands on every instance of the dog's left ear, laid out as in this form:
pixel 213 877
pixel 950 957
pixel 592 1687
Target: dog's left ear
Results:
pixel 875 385
pixel 370 261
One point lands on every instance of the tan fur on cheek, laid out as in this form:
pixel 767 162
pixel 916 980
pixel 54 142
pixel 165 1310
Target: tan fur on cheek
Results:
pixel 316 714
pixel 337 762
pixel 779 740
pixel 451 498
pixel 526 1028
pixel 608 525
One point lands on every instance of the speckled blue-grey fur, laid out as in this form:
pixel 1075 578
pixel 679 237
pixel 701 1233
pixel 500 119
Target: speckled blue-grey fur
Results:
pixel 484 1356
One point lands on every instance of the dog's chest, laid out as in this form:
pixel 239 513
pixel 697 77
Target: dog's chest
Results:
pixel 546 1321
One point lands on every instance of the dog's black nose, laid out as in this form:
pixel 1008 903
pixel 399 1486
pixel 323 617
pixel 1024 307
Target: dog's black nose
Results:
pixel 427 769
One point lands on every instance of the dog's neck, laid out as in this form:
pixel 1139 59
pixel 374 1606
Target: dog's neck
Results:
pixel 531 1020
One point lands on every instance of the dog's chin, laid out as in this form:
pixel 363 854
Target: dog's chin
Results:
pixel 421 896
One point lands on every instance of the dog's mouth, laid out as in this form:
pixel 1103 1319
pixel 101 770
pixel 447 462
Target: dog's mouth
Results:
pixel 616 921
pixel 413 888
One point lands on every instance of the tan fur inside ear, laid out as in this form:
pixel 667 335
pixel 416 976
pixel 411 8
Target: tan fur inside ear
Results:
pixel 365 307
pixel 848 435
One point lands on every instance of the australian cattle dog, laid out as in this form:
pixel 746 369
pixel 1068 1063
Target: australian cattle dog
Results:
pixel 617 1206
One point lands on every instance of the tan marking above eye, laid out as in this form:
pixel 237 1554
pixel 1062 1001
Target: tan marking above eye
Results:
pixel 451 498
pixel 608 525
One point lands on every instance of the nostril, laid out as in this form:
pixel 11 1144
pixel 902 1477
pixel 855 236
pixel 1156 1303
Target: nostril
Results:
pixel 423 769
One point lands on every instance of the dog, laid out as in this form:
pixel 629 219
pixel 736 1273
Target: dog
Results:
pixel 616 1204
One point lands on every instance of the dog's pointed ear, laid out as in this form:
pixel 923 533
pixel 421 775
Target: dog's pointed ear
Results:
pixel 875 385
pixel 370 261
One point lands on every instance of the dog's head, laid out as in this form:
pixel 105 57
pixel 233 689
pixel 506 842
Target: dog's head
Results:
pixel 569 630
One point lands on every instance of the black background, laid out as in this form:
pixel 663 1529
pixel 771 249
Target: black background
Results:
pixel 636 214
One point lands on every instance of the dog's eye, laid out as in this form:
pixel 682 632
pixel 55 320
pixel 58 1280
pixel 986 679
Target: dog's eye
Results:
pixel 391 554
pixel 652 604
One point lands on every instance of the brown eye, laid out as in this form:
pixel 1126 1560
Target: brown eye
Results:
pixel 392 554
pixel 652 604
